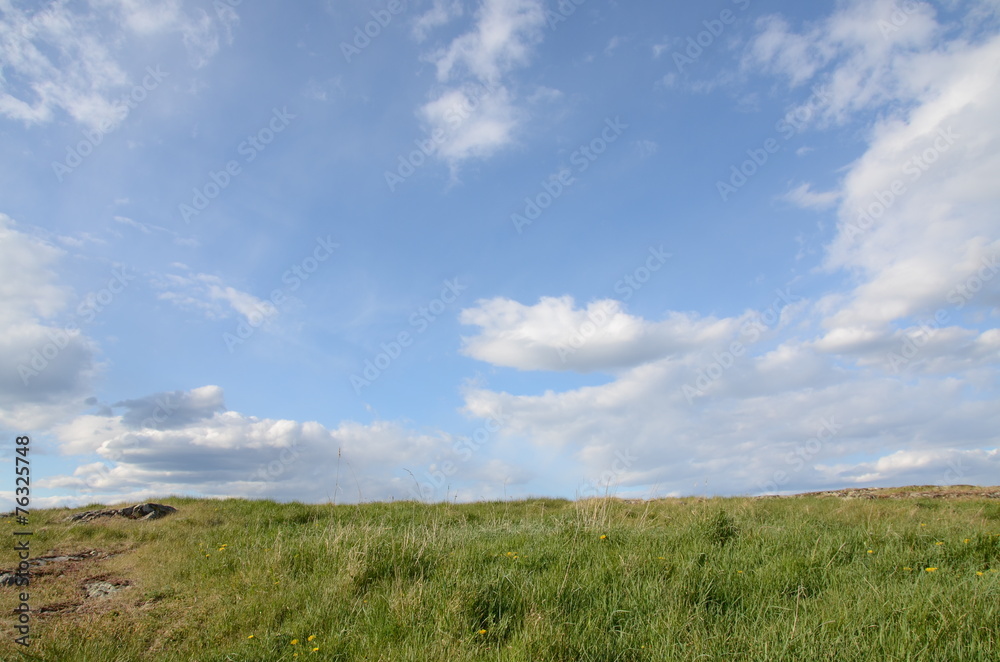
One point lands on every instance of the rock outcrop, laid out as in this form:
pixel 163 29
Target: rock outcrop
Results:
pixel 139 511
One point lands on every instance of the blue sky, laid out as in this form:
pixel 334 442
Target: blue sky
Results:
pixel 466 250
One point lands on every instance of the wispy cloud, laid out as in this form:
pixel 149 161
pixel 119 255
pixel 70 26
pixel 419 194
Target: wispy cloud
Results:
pixel 804 197
pixel 63 58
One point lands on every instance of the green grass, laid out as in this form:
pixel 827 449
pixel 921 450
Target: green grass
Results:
pixel 601 580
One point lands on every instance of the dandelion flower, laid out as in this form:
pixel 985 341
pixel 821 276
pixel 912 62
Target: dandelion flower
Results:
pixel 482 632
pixel 250 637
pixel 603 537
pixel 311 637
pixel 939 543
pixel 315 649
pixel 930 569
pixel 907 568
pixel 295 642
pixel 979 573
pixel 967 539
pixel 871 551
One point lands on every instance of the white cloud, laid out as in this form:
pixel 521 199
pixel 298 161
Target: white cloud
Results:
pixel 475 111
pixel 811 412
pixel 189 443
pixel 62 64
pixel 505 34
pixel 199 30
pixel 868 55
pixel 441 13
pixel 555 335
pixel 921 467
pixel 803 196
pixel 772 422
pixel 47 367
pixel 211 296
pixel 476 121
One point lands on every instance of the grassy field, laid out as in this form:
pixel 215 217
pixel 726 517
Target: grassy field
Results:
pixel 682 579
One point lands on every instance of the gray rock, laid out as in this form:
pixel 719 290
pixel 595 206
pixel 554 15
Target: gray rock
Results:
pixel 102 589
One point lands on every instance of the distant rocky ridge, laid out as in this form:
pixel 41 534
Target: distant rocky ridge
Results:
pixel 913 492
pixel 138 511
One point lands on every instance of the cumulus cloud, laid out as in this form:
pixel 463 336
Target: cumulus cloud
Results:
pixel 556 335
pixel 187 442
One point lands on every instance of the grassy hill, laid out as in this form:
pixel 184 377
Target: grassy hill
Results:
pixel 811 578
